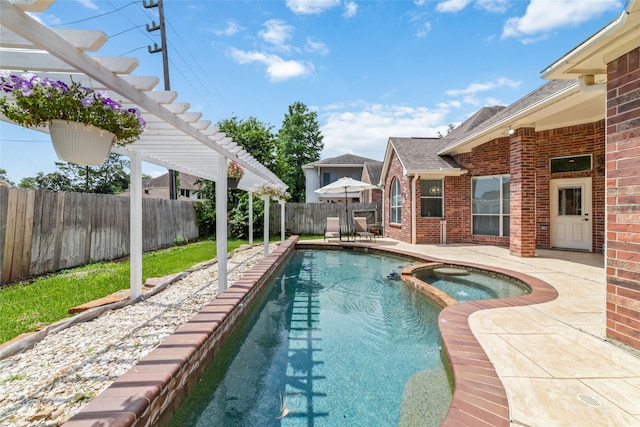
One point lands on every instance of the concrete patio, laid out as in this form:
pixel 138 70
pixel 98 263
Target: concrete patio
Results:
pixel 553 359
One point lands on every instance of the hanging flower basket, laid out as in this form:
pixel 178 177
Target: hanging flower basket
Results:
pixel 268 190
pixel 233 182
pixel 79 143
pixel 33 101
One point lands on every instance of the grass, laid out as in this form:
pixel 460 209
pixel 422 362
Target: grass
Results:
pixel 28 306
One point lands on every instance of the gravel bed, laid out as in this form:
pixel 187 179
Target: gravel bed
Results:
pixel 46 385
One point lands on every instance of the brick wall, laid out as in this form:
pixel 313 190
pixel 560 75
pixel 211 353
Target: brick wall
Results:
pixel 370 196
pixel 570 141
pixel 623 199
pixel 402 231
pixel 496 158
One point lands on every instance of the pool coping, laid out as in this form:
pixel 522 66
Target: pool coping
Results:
pixel 150 392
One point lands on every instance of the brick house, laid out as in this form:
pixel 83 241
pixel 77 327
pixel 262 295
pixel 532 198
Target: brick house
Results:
pixel 556 169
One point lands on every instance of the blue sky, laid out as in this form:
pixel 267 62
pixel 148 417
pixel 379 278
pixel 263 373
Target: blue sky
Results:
pixel 370 69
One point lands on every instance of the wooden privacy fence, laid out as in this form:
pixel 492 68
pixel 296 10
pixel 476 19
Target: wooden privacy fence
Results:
pixel 44 231
pixel 311 218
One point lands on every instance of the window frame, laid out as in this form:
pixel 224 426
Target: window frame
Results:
pixel 501 215
pixel 568 158
pixel 395 202
pixel 439 196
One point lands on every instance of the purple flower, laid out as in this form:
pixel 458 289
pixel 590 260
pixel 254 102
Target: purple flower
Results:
pixel 87 102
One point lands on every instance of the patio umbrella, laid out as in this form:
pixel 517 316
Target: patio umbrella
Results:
pixel 345 185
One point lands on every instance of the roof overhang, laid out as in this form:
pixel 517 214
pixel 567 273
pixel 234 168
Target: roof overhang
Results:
pixel 387 163
pixel 591 57
pixel 430 174
pixel 568 107
pixel 174 137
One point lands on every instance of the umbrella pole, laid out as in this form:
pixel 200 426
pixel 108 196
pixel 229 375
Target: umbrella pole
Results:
pixel 346 214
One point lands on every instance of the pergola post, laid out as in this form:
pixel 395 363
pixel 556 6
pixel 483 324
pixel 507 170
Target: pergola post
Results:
pixel 267 201
pixel 135 227
pixel 221 223
pixel 282 203
pixel 250 218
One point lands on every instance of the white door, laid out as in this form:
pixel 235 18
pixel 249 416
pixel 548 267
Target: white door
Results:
pixel 571 216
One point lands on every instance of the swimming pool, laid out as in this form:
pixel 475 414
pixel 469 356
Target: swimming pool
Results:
pixel 337 341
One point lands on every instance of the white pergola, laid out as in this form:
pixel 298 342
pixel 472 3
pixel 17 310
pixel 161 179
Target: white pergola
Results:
pixel 174 137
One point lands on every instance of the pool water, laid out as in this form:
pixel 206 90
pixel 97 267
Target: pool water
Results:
pixel 470 285
pixel 338 342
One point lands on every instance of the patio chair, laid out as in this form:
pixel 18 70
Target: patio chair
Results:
pixel 333 228
pixel 361 228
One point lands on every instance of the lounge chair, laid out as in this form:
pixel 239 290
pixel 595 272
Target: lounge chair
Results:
pixel 361 228
pixel 333 228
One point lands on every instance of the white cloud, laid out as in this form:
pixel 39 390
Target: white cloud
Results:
pixel 542 17
pixel 364 129
pixel 89 4
pixel 426 29
pixel 318 47
pixel 474 88
pixel 277 33
pixel 311 7
pixel 495 6
pixel 452 5
pixel 278 69
pixel 350 9
pixel 232 28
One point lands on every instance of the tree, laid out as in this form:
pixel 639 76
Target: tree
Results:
pixel 450 128
pixel 109 178
pixel 5 178
pixel 259 141
pixel 299 143
pixel 254 136
pixel 54 181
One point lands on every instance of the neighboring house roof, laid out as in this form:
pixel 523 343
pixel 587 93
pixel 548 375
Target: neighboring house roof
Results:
pixel 374 170
pixel 344 160
pixel 187 182
pixel 158 188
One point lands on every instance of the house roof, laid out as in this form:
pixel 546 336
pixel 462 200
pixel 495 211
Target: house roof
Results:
pixel 187 182
pixel 345 160
pixel 374 170
pixel 575 95
pixel 554 104
pixel 421 154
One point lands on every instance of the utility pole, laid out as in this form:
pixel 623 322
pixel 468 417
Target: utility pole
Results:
pixel 165 67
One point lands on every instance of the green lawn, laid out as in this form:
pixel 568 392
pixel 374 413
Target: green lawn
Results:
pixel 27 306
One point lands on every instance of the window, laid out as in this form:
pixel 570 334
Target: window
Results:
pixel 328 178
pixel 396 202
pixel 431 198
pixel 571 164
pixel 490 205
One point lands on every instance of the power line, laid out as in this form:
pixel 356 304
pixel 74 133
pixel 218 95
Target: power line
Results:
pixel 125 31
pixel 93 17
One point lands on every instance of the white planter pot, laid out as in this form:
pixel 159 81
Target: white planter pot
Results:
pixel 79 143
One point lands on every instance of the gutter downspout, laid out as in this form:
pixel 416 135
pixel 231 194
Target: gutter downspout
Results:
pixel 413 209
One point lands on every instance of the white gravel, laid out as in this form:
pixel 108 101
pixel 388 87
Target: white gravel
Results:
pixel 46 385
